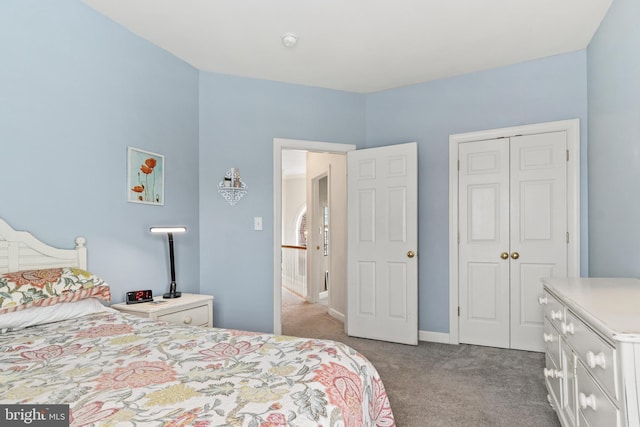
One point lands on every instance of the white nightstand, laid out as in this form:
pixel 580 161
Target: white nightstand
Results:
pixel 189 309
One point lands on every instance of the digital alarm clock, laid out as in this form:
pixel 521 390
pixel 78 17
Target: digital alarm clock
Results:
pixel 136 297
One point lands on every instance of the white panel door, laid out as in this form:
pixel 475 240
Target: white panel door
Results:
pixel 382 185
pixel 538 246
pixel 513 227
pixel 484 243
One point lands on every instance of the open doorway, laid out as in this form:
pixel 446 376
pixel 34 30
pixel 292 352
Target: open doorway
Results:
pixel 326 224
pixel 312 192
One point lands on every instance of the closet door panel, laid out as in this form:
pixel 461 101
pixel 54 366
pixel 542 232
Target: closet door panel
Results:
pixel 484 236
pixel 538 208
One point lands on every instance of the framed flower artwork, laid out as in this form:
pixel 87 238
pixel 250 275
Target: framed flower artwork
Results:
pixel 145 177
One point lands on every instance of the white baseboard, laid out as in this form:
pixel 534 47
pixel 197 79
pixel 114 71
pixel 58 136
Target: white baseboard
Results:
pixel 336 315
pixel 429 336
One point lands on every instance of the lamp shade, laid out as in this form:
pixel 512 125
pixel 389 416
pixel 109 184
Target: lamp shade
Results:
pixel 174 229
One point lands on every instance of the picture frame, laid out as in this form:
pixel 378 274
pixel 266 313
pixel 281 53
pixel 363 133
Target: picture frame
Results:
pixel 145 177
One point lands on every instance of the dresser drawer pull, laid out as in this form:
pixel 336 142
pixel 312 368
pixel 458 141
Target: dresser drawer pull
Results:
pixel 548 337
pixel 587 401
pixel 543 300
pixel 568 328
pixel 552 373
pixel 187 320
pixel 556 315
pixel 594 360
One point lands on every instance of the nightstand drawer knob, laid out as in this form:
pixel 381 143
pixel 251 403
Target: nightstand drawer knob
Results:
pixel 187 320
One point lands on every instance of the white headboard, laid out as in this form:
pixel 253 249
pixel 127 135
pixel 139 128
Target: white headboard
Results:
pixel 19 250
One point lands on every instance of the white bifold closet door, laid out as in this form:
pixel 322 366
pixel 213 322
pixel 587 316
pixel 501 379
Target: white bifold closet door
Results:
pixel 513 231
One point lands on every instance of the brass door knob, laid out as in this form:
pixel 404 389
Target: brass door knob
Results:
pixel 504 255
pixel 411 254
pixel 515 255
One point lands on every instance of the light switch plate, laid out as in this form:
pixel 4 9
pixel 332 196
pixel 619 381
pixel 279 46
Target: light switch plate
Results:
pixel 257 223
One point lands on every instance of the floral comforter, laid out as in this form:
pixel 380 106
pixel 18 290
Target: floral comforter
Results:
pixel 115 369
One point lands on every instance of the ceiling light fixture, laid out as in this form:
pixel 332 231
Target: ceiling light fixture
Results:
pixel 289 40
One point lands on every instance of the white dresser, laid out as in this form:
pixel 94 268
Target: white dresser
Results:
pixel 592 336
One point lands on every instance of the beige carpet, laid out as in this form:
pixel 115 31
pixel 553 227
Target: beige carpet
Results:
pixel 439 384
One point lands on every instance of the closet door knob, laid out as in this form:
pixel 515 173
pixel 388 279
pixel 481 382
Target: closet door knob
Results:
pixel 515 255
pixel 411 254
pixel 504 255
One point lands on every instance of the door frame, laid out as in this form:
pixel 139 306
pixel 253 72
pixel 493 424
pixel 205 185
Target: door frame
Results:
pixel 280 144
pixel 572 127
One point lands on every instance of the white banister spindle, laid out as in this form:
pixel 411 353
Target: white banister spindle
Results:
pixel 294 269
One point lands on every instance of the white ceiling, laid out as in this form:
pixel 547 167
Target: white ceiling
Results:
pixel 358 45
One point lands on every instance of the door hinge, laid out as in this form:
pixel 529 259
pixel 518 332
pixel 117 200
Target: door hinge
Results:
pixel 567 237
pixel 458 311
pixel 458 237
pixel 458 164
pixel 567 155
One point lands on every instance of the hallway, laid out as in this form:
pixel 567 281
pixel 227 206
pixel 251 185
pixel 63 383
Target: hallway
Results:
pixel 300 318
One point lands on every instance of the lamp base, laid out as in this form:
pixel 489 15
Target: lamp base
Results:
pixel 169 295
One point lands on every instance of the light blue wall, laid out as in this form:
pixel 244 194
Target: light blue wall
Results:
pixel 614 143
pixel 539 91
pixel 239 118
pixel 75 91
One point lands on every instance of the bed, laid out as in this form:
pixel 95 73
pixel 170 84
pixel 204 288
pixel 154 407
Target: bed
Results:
pixel 61 344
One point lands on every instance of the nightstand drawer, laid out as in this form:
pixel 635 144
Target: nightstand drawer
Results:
pixel 196 316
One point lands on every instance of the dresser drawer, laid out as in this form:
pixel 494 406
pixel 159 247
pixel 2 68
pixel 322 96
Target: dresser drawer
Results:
pixel 597 356
pixel 570 400
pixel 196 316
pixel 553 380
pixel 593 404
pixel 552 308
pixel 551 339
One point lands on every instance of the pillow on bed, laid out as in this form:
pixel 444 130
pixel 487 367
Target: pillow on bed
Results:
pixel 28 288
pixel 39 315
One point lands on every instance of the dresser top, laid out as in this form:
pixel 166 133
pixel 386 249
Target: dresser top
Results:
pixel 611 304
